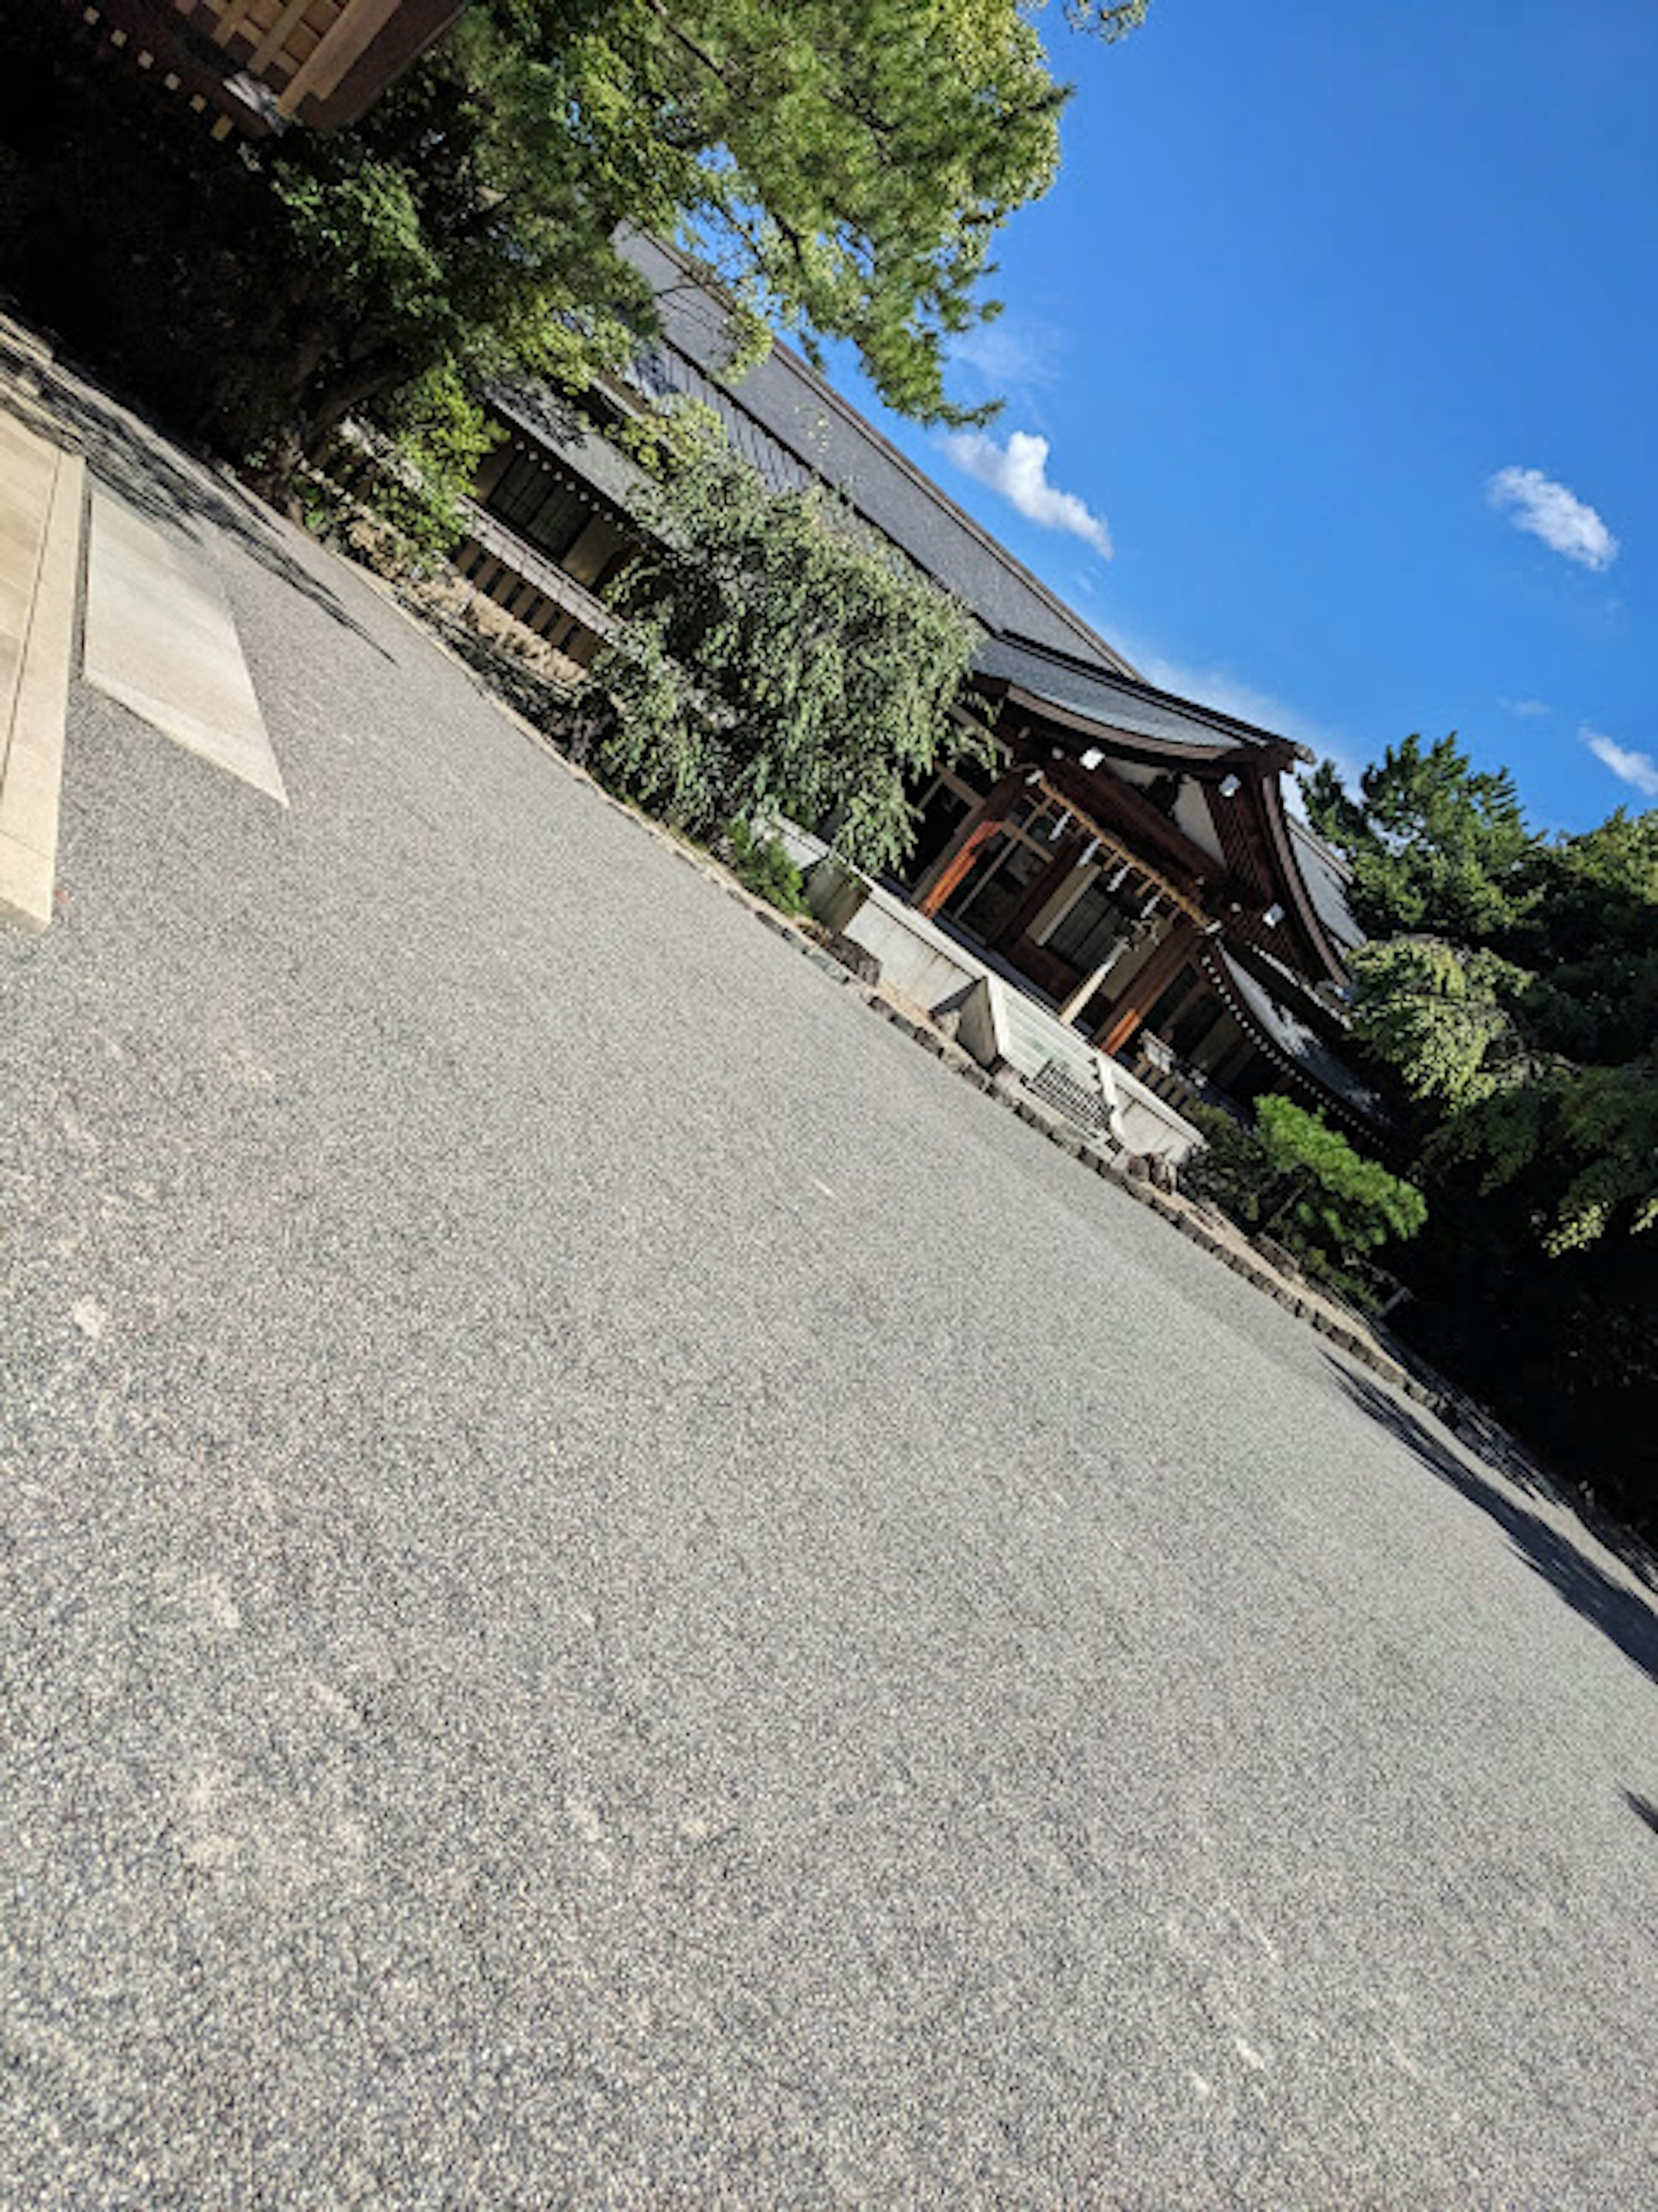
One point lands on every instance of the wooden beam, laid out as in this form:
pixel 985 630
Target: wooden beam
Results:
pixel 970 841
pixel 1067 853
pixel 230 20
pixel 354 30
pixel 1172 949
pixel 1115 803
pixel 1233 745
pixel 276 39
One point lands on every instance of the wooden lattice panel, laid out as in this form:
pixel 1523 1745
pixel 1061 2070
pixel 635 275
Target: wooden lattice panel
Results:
pixel 304 49
pixel 258 65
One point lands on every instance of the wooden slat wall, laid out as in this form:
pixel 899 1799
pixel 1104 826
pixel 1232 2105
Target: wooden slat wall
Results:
pixel 274 39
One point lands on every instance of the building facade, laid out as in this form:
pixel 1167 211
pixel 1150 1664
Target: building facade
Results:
pixel 1127 866
pixel 255 67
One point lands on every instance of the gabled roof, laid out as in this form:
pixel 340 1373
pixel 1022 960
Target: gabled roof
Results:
pixel 1327 877
pixel 1120 701
pixel 1236 767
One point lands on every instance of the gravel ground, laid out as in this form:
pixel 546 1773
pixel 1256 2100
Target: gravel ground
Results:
pixel 620 1592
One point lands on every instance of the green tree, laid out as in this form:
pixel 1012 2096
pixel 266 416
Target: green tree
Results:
pixel 842 166
pixel 777 659
pixel 1434 845
pixel 1443 1020
pixel 1541 1080
pixel 1593 938
pixel 1513 995
pixel 1294 1177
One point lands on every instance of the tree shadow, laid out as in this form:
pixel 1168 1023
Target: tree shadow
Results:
pixel 146 469
pixel 1627 1617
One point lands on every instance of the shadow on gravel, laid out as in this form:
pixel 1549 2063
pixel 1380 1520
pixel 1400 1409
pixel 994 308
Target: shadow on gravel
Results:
pixel 1629 1620
pixel 138 467
pixel 1643 1810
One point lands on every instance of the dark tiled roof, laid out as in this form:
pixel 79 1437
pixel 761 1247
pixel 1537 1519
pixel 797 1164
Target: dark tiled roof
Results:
pixel 1272 1008
pixel 788 423
pixel 793 428
pixel 554 423
pixel 1326 879
pixel 1121 702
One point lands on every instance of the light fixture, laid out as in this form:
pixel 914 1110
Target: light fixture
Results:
pixel 1119 878
pixel 1092 757
pixel 1273 915
pixel 1061 823
pixel 1230 787
pixel 1089 851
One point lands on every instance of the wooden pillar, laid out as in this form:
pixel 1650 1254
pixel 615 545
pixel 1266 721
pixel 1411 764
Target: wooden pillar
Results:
pixel 1076 1004
pixel 970 841
pixel 1067 853
pixel 1195 989
pixel 1171 952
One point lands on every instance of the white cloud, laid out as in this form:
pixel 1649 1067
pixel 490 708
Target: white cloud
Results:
pixel 1565 523
pixel 1229 694
pixel 1009 355
pixel 1019 472
pixel 1527 709
pixel 1637 768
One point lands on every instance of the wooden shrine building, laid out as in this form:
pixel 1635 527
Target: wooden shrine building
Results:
pixel 1129 864
pixel 256 67
pixel 1133 867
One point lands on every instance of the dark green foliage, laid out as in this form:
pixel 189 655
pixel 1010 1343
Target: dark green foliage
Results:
pixel 1433 845
pixel 843 165
pixel 438 438
pixel 1513 986
pixel 1293 1177
pixel 1512 997
pixel 778 660
pixel 762 866
pixel 1232 1170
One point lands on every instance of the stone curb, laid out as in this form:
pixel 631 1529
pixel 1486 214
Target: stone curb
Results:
pixel 35 717
pixel 1063 1138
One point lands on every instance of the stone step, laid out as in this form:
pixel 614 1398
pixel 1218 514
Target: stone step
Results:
pixel 42 508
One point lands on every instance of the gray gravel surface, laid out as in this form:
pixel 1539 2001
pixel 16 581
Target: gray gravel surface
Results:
pixel 621 1592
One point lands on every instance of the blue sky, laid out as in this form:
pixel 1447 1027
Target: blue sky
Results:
pixel 1341 327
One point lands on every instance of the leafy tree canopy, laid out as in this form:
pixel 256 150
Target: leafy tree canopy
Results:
pixel 1292 1173
pixel 778 658
pixel 842 166
pixel 1511 986
pixel 1434 844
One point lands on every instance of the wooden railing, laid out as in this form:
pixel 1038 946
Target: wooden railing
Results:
pixel 494 536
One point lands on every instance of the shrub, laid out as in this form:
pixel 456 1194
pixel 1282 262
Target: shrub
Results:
pixel 762 865
pixel 1292 1176
pixel 777 659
